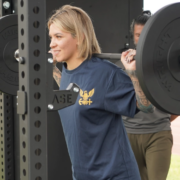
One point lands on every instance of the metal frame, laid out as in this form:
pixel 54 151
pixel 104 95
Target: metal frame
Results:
pixel 36 95
pixel 33 125
pixel 7 155
pixel 6 137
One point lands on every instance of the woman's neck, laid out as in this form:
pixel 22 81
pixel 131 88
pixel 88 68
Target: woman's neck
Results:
pixel 74 63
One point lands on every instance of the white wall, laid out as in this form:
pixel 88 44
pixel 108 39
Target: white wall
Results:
pixel 155 5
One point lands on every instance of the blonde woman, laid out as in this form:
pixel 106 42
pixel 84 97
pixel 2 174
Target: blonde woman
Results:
pixel 95 135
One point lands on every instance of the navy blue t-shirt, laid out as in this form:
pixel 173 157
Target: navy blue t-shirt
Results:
pixel 97 143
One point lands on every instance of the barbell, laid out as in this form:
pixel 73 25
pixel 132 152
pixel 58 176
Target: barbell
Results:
pixel 157 58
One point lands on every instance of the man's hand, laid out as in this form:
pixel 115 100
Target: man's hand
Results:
pixel 127 58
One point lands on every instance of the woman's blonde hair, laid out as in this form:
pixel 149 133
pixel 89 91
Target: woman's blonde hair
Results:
pixel 74 20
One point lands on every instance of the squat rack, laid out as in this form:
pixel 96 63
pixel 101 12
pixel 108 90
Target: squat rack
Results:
pixel 33 124
pixel 27 158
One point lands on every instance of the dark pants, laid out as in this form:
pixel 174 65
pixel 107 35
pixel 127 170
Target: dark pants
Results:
pixel 153 154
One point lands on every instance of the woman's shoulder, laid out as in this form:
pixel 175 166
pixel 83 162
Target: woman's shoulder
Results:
pixel 104 64
pixel 108 66
pixel 104 69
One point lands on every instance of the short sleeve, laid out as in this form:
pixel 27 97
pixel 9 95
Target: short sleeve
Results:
pixel 120 96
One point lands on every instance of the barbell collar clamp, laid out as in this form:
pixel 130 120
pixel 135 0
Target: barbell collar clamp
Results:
pixel 16 55
pixel 21 60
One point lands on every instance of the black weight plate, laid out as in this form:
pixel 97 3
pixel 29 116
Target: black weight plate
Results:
pixel 9 79
pixel 158 59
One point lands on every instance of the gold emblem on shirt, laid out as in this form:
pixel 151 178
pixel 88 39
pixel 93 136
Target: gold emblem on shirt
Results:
pixel 85 100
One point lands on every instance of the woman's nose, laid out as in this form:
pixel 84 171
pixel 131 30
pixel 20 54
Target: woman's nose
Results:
pixel 52 43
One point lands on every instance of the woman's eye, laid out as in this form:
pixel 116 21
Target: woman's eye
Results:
pixel 58 37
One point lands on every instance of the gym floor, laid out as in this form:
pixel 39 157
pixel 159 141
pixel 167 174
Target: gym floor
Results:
pixel 175 125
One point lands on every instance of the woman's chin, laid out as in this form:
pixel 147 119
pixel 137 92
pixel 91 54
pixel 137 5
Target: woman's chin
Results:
pixel 61 60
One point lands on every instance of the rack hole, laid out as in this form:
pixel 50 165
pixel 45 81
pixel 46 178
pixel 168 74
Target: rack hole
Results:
pixel 22 3
pixel 36 38
pixel 37 81
pixel 38 152
pixel 23 88
pixel 22 74
pixel 37 110
pixel 37 138
pixel 36 53
pixel 22 17
pixel 22 32
pixel 38 166
pixel 36 67
pixel 36 24
pixel 24 144
pixel 37 95
pixel 37 124
pixel 23 117
pixel 22 46
pixel 38 178
pixel 24 172
pixel 24 158
pixel 24 130
pixel 36 10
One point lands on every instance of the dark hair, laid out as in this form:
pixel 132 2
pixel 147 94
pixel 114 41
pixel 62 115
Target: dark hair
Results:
pixel 140 20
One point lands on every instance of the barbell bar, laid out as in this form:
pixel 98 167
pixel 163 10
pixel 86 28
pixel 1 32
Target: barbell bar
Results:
pixel 157 58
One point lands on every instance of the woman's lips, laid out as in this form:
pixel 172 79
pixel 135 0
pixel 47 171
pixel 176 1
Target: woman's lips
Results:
pixel 55 52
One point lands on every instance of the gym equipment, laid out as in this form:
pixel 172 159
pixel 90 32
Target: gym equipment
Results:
pixel 158 58
pixel 9 77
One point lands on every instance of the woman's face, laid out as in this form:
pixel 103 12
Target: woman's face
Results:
pixel 63 46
